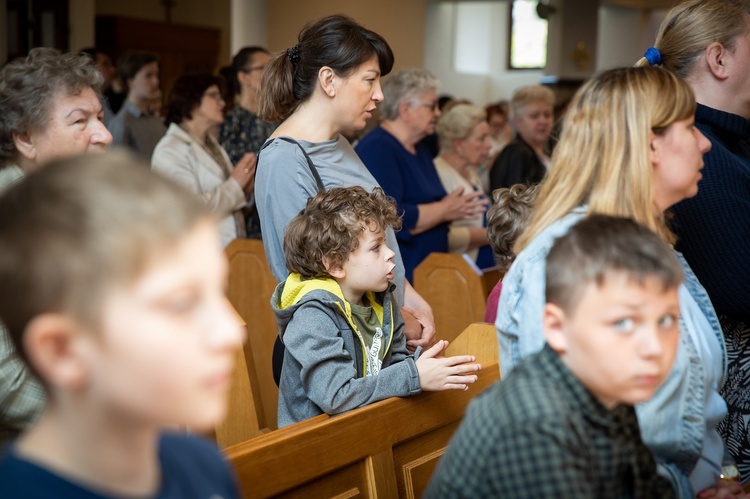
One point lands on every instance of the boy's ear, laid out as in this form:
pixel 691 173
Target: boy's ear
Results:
pixel 50 344
pixel 554 323
pixel 336 271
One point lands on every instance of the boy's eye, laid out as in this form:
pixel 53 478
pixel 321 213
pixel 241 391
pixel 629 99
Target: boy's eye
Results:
pixel 667 321
pixel 376 248
pixel 624 325
pixel 182 305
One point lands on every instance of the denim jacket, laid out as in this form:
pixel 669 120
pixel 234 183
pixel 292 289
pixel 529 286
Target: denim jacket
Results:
pixel 673 422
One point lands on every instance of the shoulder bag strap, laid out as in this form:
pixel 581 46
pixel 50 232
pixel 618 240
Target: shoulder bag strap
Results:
pixel 310 163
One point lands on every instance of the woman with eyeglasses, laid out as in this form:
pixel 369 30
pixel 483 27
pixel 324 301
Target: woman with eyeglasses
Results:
pixel 525 160
pixel 243 130
pixel 191 156
pixel 405 170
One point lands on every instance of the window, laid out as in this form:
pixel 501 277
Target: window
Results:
pixel 528 36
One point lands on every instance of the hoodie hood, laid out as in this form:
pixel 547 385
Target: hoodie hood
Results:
pixel 293 292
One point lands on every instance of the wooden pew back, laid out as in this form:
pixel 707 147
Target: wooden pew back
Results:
pixel 388 449
pixel 454 290
pixel 251 285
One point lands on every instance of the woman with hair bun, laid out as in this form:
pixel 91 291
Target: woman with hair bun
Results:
pixel 324 87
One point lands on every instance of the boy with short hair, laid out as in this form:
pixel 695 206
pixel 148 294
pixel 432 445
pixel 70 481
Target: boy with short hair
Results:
pixel 507 218
pixel 343 332
pixel 112 281
pixel 562 424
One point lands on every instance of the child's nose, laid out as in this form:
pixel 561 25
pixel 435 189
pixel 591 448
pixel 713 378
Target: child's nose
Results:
pixel 228 330
pixel 651 343
pixel 389 253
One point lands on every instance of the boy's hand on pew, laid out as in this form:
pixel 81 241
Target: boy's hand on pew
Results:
pixel 438 373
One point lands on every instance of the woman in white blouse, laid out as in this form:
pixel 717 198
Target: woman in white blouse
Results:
pixel 190 155
pixel 465 145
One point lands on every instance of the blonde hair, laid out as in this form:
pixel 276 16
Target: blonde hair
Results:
pixel 692 26
pixel 603 159
pixel 531 94
pixel 457 124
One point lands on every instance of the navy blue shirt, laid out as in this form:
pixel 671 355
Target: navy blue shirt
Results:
pixel 190 468
pixel 410 179
pixel 713 228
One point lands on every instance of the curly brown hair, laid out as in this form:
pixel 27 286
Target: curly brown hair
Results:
pixel 507 219
pixel 330 225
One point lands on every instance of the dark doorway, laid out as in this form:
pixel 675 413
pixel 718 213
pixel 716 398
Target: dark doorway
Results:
pixel 36 23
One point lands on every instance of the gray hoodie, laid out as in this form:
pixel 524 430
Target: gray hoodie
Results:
pixel 324 361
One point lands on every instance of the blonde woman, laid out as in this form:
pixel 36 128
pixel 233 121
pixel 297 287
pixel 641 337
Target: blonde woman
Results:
pixel 524 160
pixel 629 148
pixel 465 145
pixel 707 43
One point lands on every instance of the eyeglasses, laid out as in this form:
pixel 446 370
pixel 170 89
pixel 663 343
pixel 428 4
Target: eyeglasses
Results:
pixel 429 105
pixel 252 68
pixel 215 96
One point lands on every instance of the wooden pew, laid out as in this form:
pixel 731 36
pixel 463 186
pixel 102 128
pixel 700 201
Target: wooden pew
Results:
pixel 454 290
pixel 388 449
pixel 242 421
pixel 250 287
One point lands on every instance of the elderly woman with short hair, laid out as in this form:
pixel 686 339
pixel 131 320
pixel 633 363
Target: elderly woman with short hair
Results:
pixel 191 156
pixel 405 170
pixel 524 160
pixel 465 144
pixel 50 109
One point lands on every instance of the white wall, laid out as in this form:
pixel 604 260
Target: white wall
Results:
pixel 618 23
pixel 441 25
pixel 248 24
pixel 622 35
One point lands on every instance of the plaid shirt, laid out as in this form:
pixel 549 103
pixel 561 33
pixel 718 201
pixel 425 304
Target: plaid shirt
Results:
pixel 22 398
pixel 541 433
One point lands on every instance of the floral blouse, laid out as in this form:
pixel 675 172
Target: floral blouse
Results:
pixel 243 132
